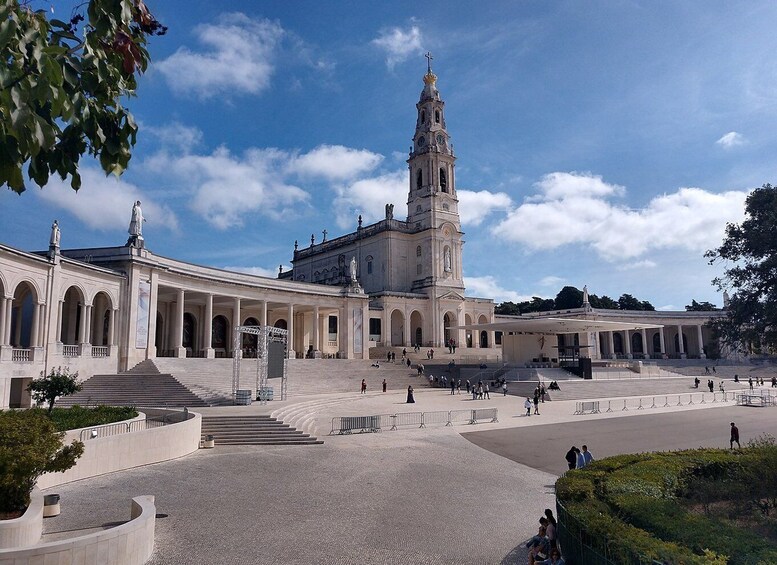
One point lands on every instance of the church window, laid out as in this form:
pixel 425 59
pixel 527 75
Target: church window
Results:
pixel 419 179
pixel 437 116
pixel 423 116
pixel 369 264
pixel 418 251
pixel 443 180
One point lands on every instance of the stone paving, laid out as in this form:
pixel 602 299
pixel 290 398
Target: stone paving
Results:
pixel 406 496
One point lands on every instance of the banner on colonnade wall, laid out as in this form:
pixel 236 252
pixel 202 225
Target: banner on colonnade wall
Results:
pixel 357 330
pixel 141 328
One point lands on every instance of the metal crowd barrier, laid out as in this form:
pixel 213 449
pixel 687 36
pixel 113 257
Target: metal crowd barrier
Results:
pixel 655 401
pixel 107 430
pixel 349 424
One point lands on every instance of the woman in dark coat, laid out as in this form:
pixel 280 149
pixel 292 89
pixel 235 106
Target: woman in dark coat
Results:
pixel 410 399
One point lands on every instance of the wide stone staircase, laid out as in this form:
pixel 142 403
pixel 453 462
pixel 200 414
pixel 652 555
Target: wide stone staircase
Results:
pixel 143 385
pixel 321 376
pixel 253 430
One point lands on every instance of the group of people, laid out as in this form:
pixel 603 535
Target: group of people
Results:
pixel 711 384
pixel 479 391
pixel 539 396
pixel 577 459
pixel 543 548
pixel 451 345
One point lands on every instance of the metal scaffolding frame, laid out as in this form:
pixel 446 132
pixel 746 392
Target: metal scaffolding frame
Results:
pixel 265 336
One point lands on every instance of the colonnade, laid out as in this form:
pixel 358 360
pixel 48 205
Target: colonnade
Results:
pixel 608 347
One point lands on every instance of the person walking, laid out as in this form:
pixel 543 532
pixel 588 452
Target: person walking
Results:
pixel 384 385
pixel 504 388
pixel 750 382
pixel 537 405
pixel 458 386
pixel 364 386
pixel 580 463
pixel 486 390
pixel 571 456
pixel 410 397
pixel 542 393
pixel 527 405
pixel 453 386
pixel 734 436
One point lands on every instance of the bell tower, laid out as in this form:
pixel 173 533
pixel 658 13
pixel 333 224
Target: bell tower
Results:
pixel 432 205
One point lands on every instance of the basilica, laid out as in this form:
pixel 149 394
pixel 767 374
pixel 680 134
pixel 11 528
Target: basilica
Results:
pixel 395 283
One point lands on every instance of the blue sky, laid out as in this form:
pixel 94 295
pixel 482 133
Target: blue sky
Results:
pixel 598 143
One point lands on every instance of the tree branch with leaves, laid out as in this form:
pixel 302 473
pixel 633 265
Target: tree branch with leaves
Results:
pixel 61 86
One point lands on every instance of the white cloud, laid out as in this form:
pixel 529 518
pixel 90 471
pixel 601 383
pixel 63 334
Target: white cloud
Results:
pixel 398 44
pixel 369 197
pixel 176 135
pixel 637 265
pixel 488 287
pixel 335 162
pixel 475 206
pixel 574 208
pixel 552 281
pixel 238 58
pixel 105 202
pixel 258 271
pixel 227 187
pixel 731 139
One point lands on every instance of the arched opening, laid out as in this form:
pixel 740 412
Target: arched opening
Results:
pixel 419 179
pixel 416 328
pixel 468 322
pixel 483 333
pixel 250 341
pixel 636 343
pixel 443 180
pixel 677 343
pixel 656 343
pixel 617 342
pixel 219 335
pixel 423 117
pixel 397 328
pixel 437 116
pixel 159 340
pixel 71 316
pixel 448 320
pixel 101 319
pixel 22 311
pixel 189 331
pixel 281 324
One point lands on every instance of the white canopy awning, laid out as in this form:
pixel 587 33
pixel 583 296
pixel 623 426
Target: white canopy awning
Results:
pixel 557 326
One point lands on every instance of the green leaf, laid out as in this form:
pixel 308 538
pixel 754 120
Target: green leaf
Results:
pixel 7 30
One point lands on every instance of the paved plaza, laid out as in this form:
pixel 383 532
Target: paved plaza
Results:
pixel 432 495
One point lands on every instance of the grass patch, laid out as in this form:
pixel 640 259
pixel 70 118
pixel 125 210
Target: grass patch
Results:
pixel 79 417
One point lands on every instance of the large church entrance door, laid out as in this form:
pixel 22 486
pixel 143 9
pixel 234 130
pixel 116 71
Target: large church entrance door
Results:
pixel 397 328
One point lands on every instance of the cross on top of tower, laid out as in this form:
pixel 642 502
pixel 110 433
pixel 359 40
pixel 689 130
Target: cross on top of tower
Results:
pixel 429 58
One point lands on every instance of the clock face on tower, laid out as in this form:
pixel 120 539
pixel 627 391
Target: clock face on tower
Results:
pixel 421 140
pixel 440 139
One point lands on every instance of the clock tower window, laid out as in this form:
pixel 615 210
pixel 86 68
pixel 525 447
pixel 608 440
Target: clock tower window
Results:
pixel 437 116
pixel 423 117
pixel 419 179
pixel 443 180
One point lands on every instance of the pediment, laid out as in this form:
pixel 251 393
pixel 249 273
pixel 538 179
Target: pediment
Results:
pixel 451 296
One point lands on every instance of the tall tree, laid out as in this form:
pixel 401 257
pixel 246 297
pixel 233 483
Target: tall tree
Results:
pixel 700 307
pixel 569 297
pixel 61 85
pixel 749 252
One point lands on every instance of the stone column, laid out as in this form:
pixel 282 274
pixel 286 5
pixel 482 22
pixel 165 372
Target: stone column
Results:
pixel 645 349
pixel 700 339
pixel 235 322
pixel 263 317
pixel 680 344
pixel 5 330
pixel 290 326
pixel 314 335
pixel 84 319
pixel 208 327
pixel 611 344
pixel 180 350
pixel 153 305
pixel 627 344
pixel 35 325
pixel 366 330
pixel 662 343
pixel 58 323
pixel 112 327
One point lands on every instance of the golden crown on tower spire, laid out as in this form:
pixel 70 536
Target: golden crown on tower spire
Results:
pixel 429 78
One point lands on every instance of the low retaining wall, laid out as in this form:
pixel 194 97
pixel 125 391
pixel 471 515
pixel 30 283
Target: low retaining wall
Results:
pixel 130 543
pixel 124 451
pixel 26 529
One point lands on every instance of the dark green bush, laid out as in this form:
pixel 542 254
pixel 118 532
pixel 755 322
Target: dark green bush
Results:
pixel 79 417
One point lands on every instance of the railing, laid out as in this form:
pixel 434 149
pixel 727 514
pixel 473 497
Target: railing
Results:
pixel 71 351
pixel 108 430
pixel 579 546
pixel 348 424
pixel 100 351
pixel 21 355
pixel 654 401
pixel 761 397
